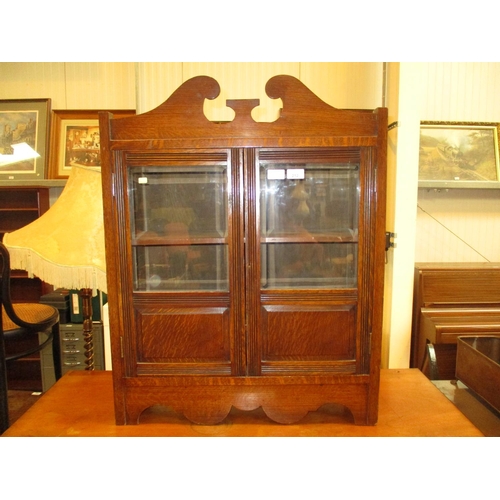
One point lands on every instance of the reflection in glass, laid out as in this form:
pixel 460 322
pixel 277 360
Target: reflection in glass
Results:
pixel 193 267
pixel 179 223
pixel 309 225
pixel 309 265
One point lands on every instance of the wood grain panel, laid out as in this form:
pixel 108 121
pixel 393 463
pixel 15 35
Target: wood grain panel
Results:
pixel 308 332
pixel 464 293
pixel 183 334
pixel 450 287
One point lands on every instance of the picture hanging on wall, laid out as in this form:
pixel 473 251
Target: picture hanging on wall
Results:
pixel 75 139
pixel 24 129
pixel 459 155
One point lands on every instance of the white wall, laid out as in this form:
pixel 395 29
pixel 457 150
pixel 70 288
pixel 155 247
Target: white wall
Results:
pixel 459 225
pixel 403 101
pixel 71 85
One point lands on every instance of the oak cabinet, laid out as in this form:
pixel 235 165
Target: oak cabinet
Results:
pixel 245 260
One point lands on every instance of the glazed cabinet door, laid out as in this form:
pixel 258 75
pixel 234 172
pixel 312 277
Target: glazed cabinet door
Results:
pixel 181 238
pixel 309 262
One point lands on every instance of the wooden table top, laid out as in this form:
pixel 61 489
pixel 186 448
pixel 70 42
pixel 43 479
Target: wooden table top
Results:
pixel 81 404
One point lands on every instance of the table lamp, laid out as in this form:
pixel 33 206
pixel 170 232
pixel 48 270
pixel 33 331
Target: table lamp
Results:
pixel 65 246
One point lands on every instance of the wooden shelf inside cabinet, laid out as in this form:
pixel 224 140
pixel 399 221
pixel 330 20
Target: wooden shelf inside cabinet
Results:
pixel 309 238
pixel 245 260
pixel 175 241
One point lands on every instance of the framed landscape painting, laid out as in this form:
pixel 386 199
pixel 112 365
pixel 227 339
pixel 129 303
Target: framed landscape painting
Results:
pixel 75 140
pixel 24 132
pixel 459 155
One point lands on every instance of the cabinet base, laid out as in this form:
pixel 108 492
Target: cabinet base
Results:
pixel 210 403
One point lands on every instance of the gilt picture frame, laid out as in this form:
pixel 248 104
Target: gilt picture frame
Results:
pixel 459 155
pixel 24 139
pixel 75 139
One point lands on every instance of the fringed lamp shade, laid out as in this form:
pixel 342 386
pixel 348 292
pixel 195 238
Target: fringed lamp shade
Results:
pixel 65 246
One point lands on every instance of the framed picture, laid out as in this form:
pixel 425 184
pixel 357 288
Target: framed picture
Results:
pixel 459 155
pixel 75 139
pixel 24 133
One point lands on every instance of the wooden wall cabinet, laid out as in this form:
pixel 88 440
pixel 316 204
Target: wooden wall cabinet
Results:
pixel 245 260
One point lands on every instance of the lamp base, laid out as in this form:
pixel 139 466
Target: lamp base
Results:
pixel 88 337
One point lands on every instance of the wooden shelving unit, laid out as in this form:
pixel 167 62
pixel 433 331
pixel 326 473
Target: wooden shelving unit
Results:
pixel 20 205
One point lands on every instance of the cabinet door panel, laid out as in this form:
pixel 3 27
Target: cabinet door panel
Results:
pixel 308 333
pixel 309 261
pixel 180 338
pixel 180 236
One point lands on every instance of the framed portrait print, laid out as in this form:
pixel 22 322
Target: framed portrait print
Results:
pixel 75 140
pixel 24 133
pixel 459 155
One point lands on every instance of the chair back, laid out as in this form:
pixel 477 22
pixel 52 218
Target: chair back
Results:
pixel 6 302
pixel 5 299
pixel 20 321
pixel 4 274
pixel 4 290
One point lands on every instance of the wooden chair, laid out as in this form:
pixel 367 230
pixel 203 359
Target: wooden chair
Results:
pixel 19 323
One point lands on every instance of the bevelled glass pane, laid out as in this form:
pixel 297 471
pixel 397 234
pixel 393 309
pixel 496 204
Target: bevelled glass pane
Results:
pixel 309 265
pixel 309 225
pixel 178 218
pixel 193 267
pixel 191 197
pixel 324 201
